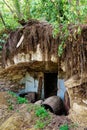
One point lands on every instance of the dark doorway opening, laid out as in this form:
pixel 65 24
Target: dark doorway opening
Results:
pixel 50 84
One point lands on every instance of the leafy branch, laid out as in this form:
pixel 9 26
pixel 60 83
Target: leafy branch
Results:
pixel 8 6
pixel 2 19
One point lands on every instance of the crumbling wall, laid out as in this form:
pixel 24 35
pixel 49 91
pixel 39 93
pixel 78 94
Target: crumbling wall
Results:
pixel 74 58
pixel 74 66
pixel 33 48
pixel 34 41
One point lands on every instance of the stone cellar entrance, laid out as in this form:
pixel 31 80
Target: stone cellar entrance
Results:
pixel 50 84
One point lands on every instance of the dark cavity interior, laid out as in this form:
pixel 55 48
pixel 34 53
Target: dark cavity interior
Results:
pixel 50 84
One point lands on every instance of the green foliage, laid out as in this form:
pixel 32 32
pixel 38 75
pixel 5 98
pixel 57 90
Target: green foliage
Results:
pixel 11 107
pixel 0 47
pixel 41 112
pixel 3 38
pixel 33 107
pixel 42 115
pixel 60 49
pixel 40 124
pixel 67 127
pixel 56 12
pixel 16 100
pixel 21 100
pixel 17 4
pixel 53 11
pixel 64 127
pixel 12 93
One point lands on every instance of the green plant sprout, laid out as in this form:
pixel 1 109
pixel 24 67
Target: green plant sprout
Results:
pixel 64 127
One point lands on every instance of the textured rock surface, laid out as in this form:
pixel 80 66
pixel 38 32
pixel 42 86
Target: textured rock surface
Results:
pixel 33 48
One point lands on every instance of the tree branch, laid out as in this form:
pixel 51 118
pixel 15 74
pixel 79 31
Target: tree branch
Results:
pixel 69 1
pixel 2 19
pixel 77 2
pixel 8 6
pixel 53 2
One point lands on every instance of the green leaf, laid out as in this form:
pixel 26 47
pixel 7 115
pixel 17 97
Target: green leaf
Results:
pixel 64 127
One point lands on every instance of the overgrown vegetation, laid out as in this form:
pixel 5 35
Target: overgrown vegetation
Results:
pixel 67 127
pixel 42 114
pixel 64 127
pixel 11 104
pixel 3 38
pixel 18 100
pixel 60 13
pixel 21 100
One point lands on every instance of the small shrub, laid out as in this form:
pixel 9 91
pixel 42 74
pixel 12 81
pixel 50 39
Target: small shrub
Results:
pixel 41 112
pixel 64 127
pixel 12 93
pixel 11 107
pixel 40 124
pixel 21 100
pixel 17 111
pixel 43 116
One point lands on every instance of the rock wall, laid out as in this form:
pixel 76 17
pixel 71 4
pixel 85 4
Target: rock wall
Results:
pixel 33 49
pixel 33 42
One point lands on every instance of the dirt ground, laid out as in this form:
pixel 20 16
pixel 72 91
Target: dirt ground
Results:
pixel 18 118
